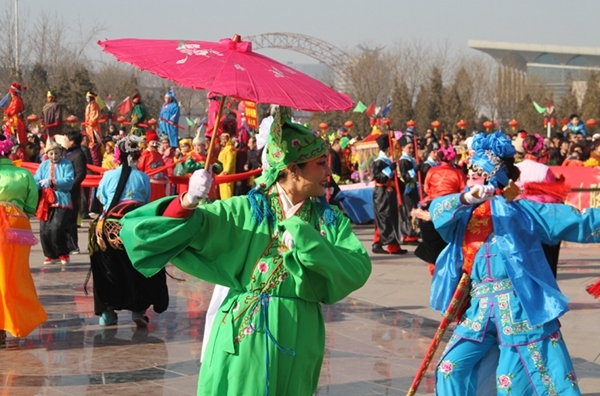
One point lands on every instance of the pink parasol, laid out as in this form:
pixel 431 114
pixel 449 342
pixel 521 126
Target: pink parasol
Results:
pixel 229 68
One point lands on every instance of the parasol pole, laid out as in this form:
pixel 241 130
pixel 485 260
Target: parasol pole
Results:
pixel 214 135
pixel 418 170
pixel 396 182
pixel 461 294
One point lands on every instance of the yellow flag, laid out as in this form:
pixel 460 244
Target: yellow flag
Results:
pixel 100 102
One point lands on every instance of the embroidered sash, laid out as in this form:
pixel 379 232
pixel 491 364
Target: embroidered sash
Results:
pixel 479 228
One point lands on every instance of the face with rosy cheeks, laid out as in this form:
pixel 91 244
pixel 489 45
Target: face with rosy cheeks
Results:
pixel 306 180
pixel 55 155
pixel 165 144
pixel 473 178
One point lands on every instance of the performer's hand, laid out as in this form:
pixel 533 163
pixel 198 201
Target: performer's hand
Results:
pixel 46 183
pixel 288 240
pixel 393 166
pixel 200 183
pixel 478 194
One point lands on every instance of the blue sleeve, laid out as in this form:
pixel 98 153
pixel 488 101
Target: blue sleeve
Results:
pixel 64 176
pixel 39 174
pixel 445 213
pixel 558 222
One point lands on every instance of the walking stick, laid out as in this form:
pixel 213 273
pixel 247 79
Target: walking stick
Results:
pixel 459 299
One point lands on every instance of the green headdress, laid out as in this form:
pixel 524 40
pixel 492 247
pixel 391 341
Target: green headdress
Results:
pixel 288 142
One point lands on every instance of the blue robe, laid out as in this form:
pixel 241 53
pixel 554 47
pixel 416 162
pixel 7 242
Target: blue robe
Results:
pixel 515 304
pixel 170 111
pixel 62 175
pixel 137 187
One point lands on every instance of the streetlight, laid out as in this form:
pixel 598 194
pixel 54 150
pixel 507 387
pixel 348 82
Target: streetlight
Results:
pixel 17 37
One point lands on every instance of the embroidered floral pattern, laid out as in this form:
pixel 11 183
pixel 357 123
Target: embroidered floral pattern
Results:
pixel 446 367
pixel 573 378
pixel 491 287
pixel 269 271
pixel 555 338
pixel 509 327
pixel 540 365
pixel 476 324
pixel 446 204
pixel 505 382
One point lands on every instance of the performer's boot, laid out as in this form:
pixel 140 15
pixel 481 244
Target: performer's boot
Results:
pixel 108 318
pixel 378 248
pixel 394 248
pixel 140 319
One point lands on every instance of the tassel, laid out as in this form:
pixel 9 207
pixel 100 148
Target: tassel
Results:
pixel 594 289
pixel 260 210
pixel 329 215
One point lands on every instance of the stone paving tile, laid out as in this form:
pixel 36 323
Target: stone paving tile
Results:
pixel 375 339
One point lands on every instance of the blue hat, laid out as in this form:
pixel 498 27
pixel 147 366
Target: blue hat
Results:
pixel 170 94
pixel 490 151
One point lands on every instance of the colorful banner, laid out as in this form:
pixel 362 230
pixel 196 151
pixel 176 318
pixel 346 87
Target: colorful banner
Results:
pixel 251 116
pixel 585 182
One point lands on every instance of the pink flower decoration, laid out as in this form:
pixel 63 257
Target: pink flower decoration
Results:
pixel 277 154
pixel 446 367
pixel 263 267
pixel 504 381
pixel 295 143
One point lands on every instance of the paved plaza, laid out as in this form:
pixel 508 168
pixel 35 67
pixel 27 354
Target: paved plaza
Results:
pixel 375 341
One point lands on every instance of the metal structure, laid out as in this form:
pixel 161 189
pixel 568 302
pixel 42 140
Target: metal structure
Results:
pixel 317 49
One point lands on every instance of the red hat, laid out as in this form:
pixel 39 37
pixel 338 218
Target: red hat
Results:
pixel 151 136
pixel 136 98
pixel 15 88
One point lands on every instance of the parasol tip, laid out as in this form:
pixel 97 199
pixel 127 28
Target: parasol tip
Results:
pixel 236 38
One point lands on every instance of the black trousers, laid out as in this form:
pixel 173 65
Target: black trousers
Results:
pixel 53 233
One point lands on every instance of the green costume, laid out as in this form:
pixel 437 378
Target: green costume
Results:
pixel 269 335
pixel 17 179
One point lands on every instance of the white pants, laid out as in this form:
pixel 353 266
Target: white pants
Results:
pixel 218 296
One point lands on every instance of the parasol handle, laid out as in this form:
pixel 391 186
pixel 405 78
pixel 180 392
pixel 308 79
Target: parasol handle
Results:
pixel 396 183
pixel 461 294
pixel 214 134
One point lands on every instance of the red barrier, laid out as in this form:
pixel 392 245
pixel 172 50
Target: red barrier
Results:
pixel 581 178
pixel 92 181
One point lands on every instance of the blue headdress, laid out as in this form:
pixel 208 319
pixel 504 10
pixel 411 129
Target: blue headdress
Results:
pixel 170 94
pixel 490 151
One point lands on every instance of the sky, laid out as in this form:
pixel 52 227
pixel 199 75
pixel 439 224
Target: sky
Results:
pixel 343 23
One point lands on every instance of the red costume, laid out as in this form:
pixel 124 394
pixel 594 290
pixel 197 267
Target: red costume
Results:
pixel 150 160
pixel 14 113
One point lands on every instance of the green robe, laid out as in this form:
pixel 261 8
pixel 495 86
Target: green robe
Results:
pixel 270 327
pixel 17 186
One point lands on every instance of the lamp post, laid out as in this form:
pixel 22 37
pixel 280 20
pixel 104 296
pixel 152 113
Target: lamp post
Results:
pixel 17 38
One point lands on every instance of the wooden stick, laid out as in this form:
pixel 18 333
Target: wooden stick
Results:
pixel 461 294
pixel 214 134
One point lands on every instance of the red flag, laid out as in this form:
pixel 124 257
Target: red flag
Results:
pixel 370 110
pixel 125 106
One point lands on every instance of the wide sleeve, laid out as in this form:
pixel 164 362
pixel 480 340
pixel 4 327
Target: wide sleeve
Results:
pixel 445 213
pixel 63 179
pixel 558 222
pixel 39 173
pixel 335 264
pixel 211 244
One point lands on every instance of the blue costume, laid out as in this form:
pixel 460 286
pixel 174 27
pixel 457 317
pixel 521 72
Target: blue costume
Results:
pixel 170 111
pixel 137 187
pixel 62 176
pixel 509 337
pixel 59 177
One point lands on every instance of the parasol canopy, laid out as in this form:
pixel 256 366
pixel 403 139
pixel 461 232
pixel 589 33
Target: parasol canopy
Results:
pixel 228 67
